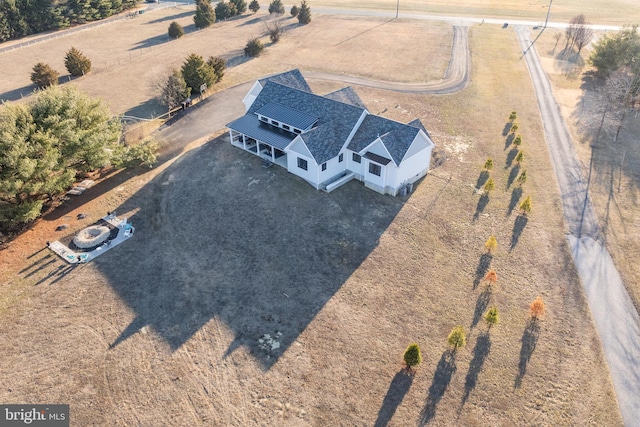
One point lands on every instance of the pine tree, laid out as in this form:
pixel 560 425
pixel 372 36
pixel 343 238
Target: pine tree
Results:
pixel 294 10
pixel 519 157
pixel 304 15
pixel 175 30
pixel 43 75
pixel 219 66
pixel 196 72
pixel 276 7
pixel 525 206
pixel 489 186
pixel 513 116
pixel 491 244
pixel 412 357
pixel 523 177
pixel 76 63
pixel 457 338
pixel 491 317
pixel 174 90
pixel 241 6
pixel 254 6
pixel 253 48
pixel 205 15
pixel 488 165
pixel 517 141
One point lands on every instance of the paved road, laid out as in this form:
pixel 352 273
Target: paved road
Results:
pixel 615 317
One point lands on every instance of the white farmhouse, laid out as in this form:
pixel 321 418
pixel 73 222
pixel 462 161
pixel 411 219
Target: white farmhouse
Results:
pixel 331 139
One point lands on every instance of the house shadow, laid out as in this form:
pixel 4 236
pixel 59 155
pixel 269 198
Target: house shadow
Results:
pixel 480 353
pixel 482 203
pixel 516 194
pixel 441 379
pixel 483 268
pixel 511 155
pixel 219 236
pixel 518 227
pixel 509 140
pixel 529 341
pixel 482 303
pixel 507 128
pixel 398 388
pixel 171 17
pixel 513 174
pixel 482 179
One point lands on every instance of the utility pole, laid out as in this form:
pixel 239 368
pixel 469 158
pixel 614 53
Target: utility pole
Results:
pixel 397 8
pixel 548 13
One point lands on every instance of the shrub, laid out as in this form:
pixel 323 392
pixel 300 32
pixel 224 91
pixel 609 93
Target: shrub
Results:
pixel 525 206
pixel 457 338
pixel 517 141
pixel 304 16
pixel 488 165
pixel 412 356
pixel 175 30
pixel 76 63
pixel 491 244
pixel 537 309
pixel 294 10
pixel 489 186
pixel 514 127
pixel 253 48
pixel 513 116
pixel 254 6
pixel 274 29
pixel 43 75
pixel 492 317
pixel 519 157
pixel 276 7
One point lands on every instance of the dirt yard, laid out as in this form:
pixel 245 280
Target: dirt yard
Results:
pixel 248 298
pixel 614 166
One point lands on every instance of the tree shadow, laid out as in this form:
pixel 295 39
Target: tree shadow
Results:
pixel 569 62
pixel 480 353
pixel 507 128
pixel 513 175
pixel 236 58
pixel 398 388
pixel 518 227
pixel 251 21
pixel 14 95
pixel 482 268
pixel 152 41
pixel 482 203
pixel 441 379
pixel 482 179
pixel 516 194
pixel 529 341
pixel 171 17
pixel 482 303
pixel 511 155
pixel 509 140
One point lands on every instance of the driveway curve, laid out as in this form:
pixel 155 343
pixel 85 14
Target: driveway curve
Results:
pixel 614 314
pixel 456 77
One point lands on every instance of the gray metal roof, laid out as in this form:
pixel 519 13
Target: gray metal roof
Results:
pixel 335 123
pixel 287 115
pixel 346 95
pixel 376 158
pixel 291 78
pixel 254 128
pixel 397 137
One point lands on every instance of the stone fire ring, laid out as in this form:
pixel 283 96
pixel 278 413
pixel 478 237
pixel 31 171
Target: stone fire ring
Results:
pixel 91 236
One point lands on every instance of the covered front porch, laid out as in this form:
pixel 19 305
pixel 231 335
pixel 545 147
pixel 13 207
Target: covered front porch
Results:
pixel 259 148
pixel 263 140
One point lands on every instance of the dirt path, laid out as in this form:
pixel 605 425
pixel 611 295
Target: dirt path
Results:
pixel 614 315
pixel 455 79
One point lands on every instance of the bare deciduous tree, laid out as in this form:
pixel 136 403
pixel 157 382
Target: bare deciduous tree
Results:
pixel 578 33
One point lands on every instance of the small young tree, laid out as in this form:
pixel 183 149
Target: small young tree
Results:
pixel 519 157
pixel 517 141
pixel 523 177
pixel 76 63
pixel 457 338
pixel 525 206
pixel 488 165
pixel 489 186
pixel 514 128
pixel 491 244
pixel 276 7
pixel 304 15
pixel 513 116
pixel 241 6
pixel 175 30
pixel 537 309
pixel 43 75
pixel 491 317
pixel 412 357
pixel 253 48
pixel 205 15
pixel 225 10
pixel 491 277
pixel 173 90
pixel 294 10
pixel 274 29
pixel 254 6
pixel 219 66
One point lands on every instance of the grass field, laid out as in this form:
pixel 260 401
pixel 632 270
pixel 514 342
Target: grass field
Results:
pixel 615 179
pixel 166 329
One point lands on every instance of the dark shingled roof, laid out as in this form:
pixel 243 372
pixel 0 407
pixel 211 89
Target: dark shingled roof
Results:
pixel 346 95
pixel 254 128
pixel 397 137
pixel 287 115
pixel 335 123
pixel 418 124
pixel 291 78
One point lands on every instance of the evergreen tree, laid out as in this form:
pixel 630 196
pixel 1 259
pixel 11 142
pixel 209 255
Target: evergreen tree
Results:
pixel 491 244
pixel 76 63
pixel 253 48
pixel 525 206
pixel 457 338
pixel 304 15
pixel 254 6
pixel 412 357
pixel 488 165
pixel 276 7
pixel 174 90
pixel 175 30
pixel 43 75
pixel 196 72
pixel 205 15
pixel 241 6
pixel 225 10
pixel 294 10
pixel 219 66
pixel 491 317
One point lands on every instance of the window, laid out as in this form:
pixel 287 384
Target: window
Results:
pixel 324 166
pixel 286 127
pixel 356 157
pixel 297 130
pixel 264 119
pixel 273 122
pixel 302 163
pixel 340 157
pixel 375 169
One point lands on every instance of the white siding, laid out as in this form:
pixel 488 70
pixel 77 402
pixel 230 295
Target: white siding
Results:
pixel 414 167
pixel 296 150
pixel 251 95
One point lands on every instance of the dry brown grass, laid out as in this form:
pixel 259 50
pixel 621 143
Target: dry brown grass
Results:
pixel 415 281
pixel 615 190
